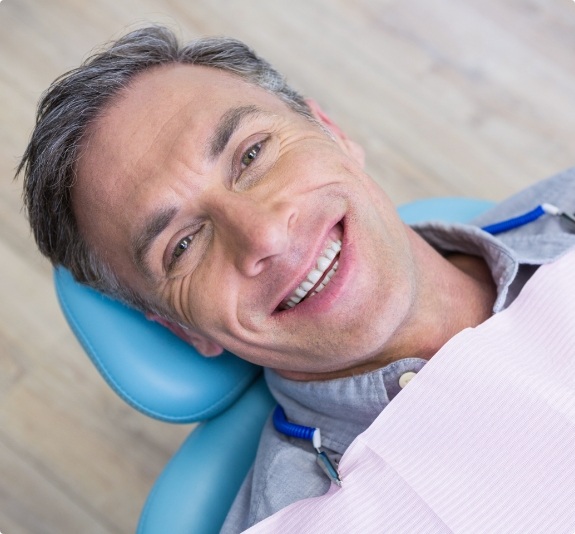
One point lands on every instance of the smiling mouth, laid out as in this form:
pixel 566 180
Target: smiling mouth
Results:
pixel 318 278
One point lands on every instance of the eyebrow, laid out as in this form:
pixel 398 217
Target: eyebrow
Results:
pixel 143 241
pixel 227 125
pixel 229 122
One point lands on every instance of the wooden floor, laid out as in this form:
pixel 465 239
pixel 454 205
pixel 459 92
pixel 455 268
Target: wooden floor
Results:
pixel 472 98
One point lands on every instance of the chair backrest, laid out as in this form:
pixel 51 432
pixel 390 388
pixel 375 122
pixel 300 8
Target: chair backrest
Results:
pixel 163 377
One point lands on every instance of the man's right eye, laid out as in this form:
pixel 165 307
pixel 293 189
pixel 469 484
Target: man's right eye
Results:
pixel 181 248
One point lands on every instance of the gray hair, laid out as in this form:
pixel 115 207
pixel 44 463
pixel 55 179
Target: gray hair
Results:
pixel 75 100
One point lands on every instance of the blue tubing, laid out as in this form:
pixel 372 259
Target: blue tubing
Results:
pixel 282 425
pixel 510 224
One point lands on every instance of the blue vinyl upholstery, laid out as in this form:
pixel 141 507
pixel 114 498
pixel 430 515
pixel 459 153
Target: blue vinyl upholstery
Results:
pixel 129 351
pixel 198 486
pixel 158 374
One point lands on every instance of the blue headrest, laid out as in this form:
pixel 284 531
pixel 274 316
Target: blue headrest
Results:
pixel 149 367
pixel 160 375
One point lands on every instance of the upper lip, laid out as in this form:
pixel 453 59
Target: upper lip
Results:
pixel 310 264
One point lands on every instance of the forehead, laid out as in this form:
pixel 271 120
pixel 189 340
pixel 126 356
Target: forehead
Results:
pixel 161 108
pixel 163 100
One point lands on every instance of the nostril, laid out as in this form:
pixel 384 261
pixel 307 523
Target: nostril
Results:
pixel 292 220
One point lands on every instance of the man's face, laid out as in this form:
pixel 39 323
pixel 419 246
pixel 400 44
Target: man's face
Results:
pixel 213 199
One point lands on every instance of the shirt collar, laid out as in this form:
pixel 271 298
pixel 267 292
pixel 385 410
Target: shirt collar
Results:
pixel 355 400
pixel 456 237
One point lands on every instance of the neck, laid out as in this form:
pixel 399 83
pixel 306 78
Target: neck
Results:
pixel 455 292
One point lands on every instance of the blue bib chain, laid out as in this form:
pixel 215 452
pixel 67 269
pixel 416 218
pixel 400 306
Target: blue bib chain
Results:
pixel 282 425
pixel 526 218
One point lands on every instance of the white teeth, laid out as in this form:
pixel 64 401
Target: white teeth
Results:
pixel 328 276
pixel 330 254
pixel 323 263
pixel 314 276
pixel 302 292
pixel 306 285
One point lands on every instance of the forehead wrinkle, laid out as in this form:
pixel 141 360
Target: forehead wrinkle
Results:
pixel 144 238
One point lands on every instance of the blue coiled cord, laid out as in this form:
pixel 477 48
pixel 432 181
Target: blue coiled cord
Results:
pixel 515 222
pixel 282 425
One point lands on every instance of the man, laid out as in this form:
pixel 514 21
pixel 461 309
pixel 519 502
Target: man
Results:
pixel 195 185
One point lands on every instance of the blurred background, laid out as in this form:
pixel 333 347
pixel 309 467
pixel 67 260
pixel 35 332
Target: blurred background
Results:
pixel 448 98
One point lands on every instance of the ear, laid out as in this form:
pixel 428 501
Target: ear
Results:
pixel 351 147
pixel 205 346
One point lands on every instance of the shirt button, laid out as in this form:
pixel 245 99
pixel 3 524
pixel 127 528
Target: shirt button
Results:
pixel 405 378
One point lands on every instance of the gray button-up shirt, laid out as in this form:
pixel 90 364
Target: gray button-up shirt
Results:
pixel 285 469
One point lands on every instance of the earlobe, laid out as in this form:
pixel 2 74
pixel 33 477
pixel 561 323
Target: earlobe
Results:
pixel 205 346
pixel 352 148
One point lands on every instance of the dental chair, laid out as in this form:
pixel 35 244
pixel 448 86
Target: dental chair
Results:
pixel 164 378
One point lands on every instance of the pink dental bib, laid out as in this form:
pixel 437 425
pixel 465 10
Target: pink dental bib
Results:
pixel 481 441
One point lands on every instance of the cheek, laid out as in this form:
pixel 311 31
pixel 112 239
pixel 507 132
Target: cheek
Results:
pixel 309 166
pixel 207 298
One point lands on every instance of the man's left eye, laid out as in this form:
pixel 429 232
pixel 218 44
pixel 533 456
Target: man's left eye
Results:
pixel 182 246
pixel 251 154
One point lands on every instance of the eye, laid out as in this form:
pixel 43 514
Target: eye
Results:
pixel 250 155
pixel 182 246
pixel 186 246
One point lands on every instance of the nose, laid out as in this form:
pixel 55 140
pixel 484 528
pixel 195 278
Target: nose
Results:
pixel 253 231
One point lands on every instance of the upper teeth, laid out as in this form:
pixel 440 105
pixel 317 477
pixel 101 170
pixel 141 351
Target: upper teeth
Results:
pixel 315 275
